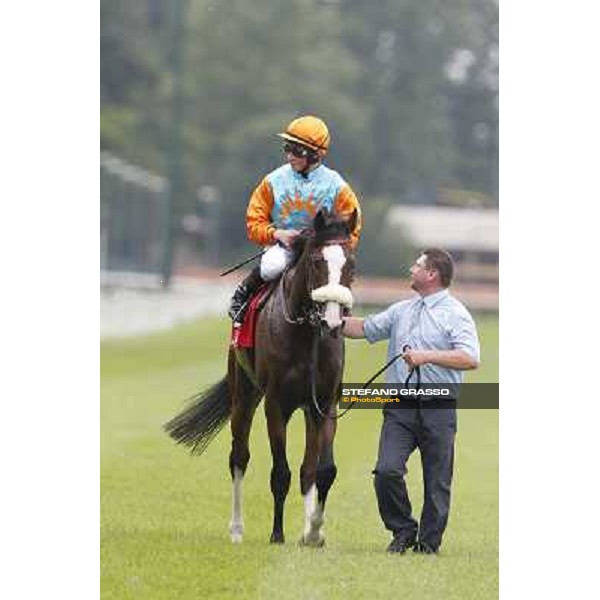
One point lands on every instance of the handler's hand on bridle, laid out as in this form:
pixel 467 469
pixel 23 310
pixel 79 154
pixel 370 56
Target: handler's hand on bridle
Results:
pixel 285 236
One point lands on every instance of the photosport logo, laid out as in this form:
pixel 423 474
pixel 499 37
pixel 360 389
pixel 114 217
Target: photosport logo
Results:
pixel 466 395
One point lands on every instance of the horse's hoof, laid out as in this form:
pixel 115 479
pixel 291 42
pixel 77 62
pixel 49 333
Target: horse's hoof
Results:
pixel 237 533
pixel 311 542
pixel 277 538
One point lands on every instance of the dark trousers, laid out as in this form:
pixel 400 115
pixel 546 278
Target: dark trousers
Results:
pixel 432 430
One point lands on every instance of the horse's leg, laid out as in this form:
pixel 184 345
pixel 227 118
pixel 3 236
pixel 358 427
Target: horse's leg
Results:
pixel 280 473
pixel 245 398
pixel 313 514
pixel 326 469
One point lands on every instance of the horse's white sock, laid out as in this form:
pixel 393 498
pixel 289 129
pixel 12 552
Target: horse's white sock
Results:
pixel 236 527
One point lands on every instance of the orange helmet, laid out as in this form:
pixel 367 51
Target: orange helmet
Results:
pixel 309 131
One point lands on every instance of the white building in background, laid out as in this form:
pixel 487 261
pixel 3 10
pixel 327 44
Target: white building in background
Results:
pixel 458 229
pixel 471 235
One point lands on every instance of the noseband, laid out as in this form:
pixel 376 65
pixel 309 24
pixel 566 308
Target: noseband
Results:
pixel 312 315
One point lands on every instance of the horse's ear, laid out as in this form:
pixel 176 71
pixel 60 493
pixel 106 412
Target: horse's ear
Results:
pixel 320 219
pixel 352 221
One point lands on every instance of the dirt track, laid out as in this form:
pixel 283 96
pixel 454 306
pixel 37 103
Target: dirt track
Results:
pixel 382 290
pixel 133 305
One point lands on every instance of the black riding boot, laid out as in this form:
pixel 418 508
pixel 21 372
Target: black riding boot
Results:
pixel 239 300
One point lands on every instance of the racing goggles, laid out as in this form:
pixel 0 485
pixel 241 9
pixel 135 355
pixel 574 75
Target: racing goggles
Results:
pixel 297 150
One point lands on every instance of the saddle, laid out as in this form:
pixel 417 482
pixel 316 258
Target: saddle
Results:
pixel 244 336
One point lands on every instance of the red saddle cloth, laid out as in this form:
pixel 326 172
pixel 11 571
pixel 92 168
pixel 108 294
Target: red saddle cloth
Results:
pixel 244 336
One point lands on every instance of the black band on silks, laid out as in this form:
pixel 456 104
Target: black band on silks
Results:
pixel 308 142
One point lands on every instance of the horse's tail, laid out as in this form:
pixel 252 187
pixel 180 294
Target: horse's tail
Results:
pixel 202 420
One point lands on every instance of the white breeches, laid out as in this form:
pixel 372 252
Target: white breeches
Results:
pixel 274 261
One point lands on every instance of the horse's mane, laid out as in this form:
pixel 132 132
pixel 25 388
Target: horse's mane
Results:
pixel 298 245
pixel 335 228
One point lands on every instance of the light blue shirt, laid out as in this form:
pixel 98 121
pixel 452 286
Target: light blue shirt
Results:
pixel 435 322
pixel 297 199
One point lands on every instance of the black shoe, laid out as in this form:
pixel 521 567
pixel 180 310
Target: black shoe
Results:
pixel 238 304
pixel 239 300
pixel 400 545
pixel 421 548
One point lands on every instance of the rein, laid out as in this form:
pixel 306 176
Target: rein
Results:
pixel 311 317
pixel 313 385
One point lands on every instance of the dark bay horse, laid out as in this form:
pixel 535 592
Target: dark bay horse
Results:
pixel 297 362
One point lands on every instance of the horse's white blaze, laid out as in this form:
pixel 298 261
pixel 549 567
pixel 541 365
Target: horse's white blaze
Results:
pixel 334 293
pixel 236 527
pixel 334 255
pixel 332 315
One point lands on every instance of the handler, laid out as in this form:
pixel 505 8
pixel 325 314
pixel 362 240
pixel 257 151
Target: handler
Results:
pixel 443 340
pixel 287 200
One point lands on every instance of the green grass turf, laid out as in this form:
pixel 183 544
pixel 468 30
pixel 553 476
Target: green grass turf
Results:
pixel 164 514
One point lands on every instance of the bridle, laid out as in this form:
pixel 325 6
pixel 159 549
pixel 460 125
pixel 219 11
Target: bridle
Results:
pixel 312 315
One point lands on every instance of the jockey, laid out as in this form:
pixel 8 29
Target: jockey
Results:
pixel 287 200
